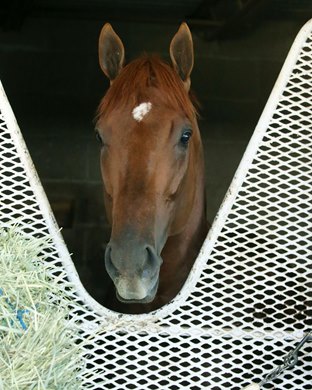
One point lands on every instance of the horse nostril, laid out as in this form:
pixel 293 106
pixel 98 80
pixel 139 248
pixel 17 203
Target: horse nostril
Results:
pixel 110 267
pixel 152 263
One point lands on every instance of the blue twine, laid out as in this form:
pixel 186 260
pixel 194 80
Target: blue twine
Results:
pixel 19 312
pixel 19 316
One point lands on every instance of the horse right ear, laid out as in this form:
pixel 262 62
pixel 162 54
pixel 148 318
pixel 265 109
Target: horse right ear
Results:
pixel 111 52
pixel 182 55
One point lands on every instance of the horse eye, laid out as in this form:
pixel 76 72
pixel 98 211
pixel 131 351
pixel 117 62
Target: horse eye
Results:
pixel 98 137
pixel 185 137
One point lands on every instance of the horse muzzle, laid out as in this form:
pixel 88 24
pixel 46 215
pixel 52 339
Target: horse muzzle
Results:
pixel 139 295
pixel 134 269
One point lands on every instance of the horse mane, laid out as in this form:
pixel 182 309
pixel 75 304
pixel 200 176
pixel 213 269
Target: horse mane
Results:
pixel 135 78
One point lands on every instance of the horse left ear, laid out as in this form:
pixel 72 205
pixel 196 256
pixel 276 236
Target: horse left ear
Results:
pixel 182 54
pixel 111 52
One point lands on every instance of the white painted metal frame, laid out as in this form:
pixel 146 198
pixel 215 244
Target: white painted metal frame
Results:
pixel 248 297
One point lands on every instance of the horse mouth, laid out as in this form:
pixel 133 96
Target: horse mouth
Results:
pixel 147 299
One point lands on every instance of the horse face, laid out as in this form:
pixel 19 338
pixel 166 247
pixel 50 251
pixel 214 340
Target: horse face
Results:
pixel 145 163
pixel 146 147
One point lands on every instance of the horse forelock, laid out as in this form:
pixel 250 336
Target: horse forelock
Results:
pixel 133 83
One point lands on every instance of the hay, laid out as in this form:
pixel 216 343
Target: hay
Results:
pixel 37 348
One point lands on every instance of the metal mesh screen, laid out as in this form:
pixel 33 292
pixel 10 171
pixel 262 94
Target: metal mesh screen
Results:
pixel 248 298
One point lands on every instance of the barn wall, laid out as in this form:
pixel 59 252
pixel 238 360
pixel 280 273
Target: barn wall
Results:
pixel 50 72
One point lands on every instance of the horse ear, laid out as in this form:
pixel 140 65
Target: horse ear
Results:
pixel 182 55
pixel 111 52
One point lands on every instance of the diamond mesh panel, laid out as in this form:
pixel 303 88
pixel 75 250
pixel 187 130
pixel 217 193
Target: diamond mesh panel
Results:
pixel 248 298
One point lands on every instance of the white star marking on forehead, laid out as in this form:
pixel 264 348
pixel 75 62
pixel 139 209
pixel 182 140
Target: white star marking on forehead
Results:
pixel 141 110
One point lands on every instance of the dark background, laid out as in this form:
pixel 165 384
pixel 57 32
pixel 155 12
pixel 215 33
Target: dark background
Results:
pixel 49 69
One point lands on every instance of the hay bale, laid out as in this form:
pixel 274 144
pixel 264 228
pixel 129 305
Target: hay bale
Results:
pixel 37 342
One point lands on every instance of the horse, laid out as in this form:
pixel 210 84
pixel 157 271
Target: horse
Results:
pixel 152 169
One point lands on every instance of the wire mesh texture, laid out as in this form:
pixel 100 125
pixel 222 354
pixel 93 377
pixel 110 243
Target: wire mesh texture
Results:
pixel 248 298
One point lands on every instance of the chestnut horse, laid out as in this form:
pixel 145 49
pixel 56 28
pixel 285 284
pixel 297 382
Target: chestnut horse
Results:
pixel 153 172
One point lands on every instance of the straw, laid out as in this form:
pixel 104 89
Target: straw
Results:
pixel 37 343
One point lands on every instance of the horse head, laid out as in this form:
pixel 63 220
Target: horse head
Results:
pixel 150 145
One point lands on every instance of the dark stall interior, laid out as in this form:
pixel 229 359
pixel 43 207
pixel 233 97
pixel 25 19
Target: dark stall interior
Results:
pixel 49 70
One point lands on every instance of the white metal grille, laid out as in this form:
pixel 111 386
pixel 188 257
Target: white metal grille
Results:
pixel 248 298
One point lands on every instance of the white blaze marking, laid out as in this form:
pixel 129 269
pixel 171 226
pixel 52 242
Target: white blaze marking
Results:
pixel 141 110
